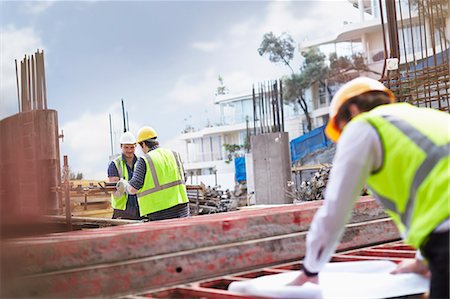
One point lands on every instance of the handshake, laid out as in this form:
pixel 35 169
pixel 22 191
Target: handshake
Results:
pixel 122 187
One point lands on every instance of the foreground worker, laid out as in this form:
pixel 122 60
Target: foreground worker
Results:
pixel 402 153
pixel 125 206
pixel 158 180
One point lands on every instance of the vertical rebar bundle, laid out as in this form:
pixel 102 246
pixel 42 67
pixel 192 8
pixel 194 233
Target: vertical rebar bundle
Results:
pixel 423 75
pixel 31 88
pixel 268 115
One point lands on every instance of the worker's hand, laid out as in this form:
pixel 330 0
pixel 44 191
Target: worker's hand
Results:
pixel 121 188
pixel 301 279
pixel 412 266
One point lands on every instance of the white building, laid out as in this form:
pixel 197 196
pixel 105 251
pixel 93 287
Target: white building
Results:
pixel 203 152
pixel 419 40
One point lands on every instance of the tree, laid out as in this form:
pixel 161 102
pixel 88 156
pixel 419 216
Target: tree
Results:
pixel 221 89
pixel 340 67
pixel 314 69
pixel 281 49
pixel 231 151
pixel 77 176
pixel 294 90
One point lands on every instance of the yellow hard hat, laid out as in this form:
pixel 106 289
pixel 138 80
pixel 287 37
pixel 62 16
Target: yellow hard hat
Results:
pixel 146 133
pixel 349 90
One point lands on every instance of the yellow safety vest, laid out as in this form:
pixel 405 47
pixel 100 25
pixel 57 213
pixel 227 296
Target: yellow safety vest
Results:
pixel 164 184
pixel 413 182
pixel 120 203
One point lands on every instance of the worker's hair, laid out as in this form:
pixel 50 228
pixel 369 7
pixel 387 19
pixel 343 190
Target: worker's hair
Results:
pixel 365 102
pixel 151 142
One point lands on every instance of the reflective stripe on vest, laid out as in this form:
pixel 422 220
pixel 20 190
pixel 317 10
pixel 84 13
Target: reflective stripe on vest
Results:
pixel 434 154
pixel 166 191
pixel 412 181
pixel 159 187
pixel 120 203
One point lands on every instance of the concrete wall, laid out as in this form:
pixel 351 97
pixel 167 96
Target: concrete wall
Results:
pixel 271 167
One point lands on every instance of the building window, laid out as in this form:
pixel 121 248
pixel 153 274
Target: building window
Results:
pixel 411 39
pixel 323 94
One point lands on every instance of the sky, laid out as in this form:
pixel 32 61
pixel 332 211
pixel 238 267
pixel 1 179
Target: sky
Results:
pixel 163 58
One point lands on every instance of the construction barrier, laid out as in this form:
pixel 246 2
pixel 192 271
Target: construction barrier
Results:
pixel 307 143
pixel 239 166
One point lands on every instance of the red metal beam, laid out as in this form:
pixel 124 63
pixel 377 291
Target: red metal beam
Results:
pixel 126 259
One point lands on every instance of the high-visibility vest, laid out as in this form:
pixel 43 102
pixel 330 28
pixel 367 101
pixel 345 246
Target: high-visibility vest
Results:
pixel 413 182
pixel 120 203
pixel 164 184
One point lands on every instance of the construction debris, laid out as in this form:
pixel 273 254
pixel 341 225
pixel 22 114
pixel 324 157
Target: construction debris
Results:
pixel 209 200
pixel 312 189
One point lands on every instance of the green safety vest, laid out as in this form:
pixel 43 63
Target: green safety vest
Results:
pixel 413 182
pixel 164 185
pixel 120 203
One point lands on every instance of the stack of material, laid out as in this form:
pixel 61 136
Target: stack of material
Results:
pixel 210 200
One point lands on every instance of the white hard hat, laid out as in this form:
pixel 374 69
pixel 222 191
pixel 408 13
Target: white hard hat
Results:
pixel 127 138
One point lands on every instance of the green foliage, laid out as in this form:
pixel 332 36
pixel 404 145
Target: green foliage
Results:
pixel 340 67
pixel 314 69
pixel 231 150
pixel 221 89
pixel 77 176
pixel 278 48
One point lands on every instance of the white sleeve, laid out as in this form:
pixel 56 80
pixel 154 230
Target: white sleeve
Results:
pixel 358 153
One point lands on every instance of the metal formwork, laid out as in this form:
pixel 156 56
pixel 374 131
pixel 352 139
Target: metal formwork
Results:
pixel 29 168
pixel 217 287
pixel 30 164
pixel 130 259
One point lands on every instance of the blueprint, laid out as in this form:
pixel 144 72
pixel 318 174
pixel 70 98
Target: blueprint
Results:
pixel 361 279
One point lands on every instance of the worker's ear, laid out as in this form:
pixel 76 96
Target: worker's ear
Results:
pixel 354 110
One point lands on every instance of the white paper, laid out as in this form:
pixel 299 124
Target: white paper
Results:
pixel 362 280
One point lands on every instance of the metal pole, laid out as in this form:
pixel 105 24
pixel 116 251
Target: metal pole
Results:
pixel 29 83
pixel 44 86
pixel 67 194
pixel 123 116
pixel 128 124
pixel 110 134
pixel 33 82
pixel 281 105
pixel 17 81
pixel 254 110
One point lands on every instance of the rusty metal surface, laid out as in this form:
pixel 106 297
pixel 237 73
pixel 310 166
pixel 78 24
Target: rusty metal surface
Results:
pixel 217 287
pixel 131 258
pixel 29 168
pixel 106 245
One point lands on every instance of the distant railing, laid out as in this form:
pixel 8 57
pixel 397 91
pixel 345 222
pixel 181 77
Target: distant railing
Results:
pixel 307 143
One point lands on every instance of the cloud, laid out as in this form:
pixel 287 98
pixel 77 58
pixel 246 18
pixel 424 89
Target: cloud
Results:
pixel 15 43
pixel 87 141
pixel 37 7
pixel 318 19
pixel 206 46
pixel 195 88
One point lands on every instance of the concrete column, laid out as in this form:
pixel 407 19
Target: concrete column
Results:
pixel 271 167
